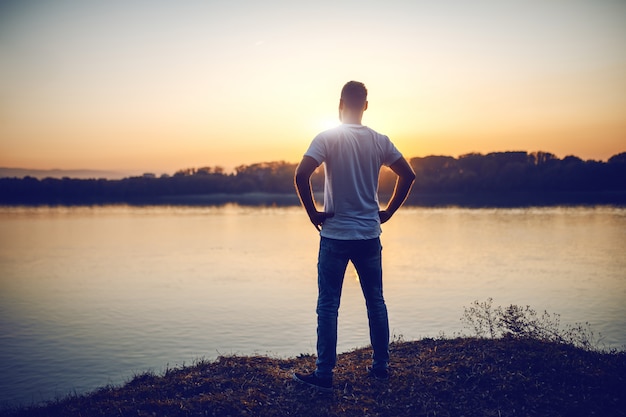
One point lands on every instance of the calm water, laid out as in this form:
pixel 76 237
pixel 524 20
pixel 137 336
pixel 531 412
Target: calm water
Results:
pixel 93 296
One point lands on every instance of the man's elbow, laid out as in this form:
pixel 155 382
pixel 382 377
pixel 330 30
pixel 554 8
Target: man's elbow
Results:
pixel 302 181
pixel 301 178
pixel 409 176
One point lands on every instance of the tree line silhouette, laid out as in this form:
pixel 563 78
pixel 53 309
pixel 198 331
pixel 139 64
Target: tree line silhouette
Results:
pixel 494 179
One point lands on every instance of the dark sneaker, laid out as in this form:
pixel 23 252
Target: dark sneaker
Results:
pixel 321 384
pixel 381 374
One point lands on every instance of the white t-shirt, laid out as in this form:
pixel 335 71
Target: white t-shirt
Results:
pixel 352 156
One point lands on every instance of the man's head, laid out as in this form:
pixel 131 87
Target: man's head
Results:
pixel 353 102
pixel 354 95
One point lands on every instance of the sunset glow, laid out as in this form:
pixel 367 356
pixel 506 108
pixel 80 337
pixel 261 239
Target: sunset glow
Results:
pixel 160 86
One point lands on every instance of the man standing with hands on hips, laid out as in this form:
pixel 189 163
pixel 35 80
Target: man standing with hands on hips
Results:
pixel 349 226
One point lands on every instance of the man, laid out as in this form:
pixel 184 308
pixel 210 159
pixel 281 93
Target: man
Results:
pixel 349 226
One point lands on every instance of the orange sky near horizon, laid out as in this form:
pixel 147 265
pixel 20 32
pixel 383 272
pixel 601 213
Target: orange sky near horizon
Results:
pixel 157 86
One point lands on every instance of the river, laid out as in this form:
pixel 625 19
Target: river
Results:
pixel 91 296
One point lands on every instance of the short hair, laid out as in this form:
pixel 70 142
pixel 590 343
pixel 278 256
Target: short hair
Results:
pixel 354 94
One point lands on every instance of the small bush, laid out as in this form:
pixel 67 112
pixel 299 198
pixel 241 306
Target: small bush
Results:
pixel 484 320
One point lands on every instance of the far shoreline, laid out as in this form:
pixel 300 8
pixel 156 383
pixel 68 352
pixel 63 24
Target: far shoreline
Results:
pixel 432 200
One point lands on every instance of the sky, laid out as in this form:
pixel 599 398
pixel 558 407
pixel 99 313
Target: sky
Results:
pixel 157 86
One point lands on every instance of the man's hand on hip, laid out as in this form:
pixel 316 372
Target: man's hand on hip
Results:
pixel 319 217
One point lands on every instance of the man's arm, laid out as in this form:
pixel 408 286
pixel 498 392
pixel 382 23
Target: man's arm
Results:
pixel 404 182
pixel 303 174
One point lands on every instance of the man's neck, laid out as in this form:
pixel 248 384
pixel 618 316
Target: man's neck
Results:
pixel 352 119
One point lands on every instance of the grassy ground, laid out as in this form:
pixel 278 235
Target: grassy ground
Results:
pixel 446 377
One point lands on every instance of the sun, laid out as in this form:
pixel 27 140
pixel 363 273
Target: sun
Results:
pixel 328 123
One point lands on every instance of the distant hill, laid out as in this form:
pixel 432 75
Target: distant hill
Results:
pixel 61 173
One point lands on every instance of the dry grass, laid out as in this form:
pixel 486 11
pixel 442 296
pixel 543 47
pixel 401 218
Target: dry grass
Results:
pixel 447 377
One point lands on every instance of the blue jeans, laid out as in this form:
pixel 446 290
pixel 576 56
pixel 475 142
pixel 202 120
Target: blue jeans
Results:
pixel 332 262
